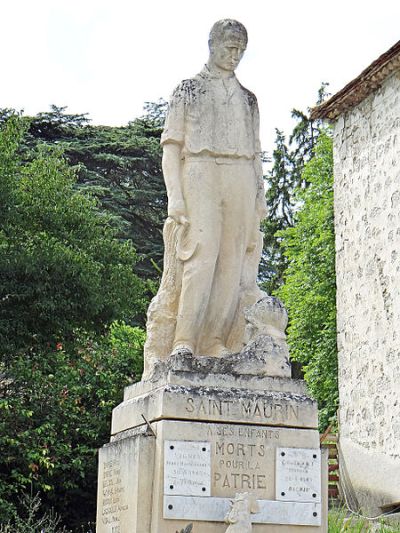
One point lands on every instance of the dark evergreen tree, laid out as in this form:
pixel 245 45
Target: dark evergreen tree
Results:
pixel 64 282
pixel 309 291
pixel 284 178
pixel 304 138
pixel 121 166
pixel 61 267
pixel 278 196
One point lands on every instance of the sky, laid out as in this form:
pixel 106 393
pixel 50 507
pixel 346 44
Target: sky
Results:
pixel 107 58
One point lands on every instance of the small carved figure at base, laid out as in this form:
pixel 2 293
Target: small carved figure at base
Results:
pixel 239 517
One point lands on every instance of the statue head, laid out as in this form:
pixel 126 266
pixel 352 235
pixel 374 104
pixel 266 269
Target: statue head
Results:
pixel 227 44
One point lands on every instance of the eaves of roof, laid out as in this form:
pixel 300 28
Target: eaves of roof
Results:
pixel 358 89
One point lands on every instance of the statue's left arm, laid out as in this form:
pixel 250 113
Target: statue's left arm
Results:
pixel 261 205
pixel 172 140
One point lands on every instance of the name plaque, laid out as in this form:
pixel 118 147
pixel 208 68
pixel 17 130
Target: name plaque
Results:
pixel 187 468
pixel 298 474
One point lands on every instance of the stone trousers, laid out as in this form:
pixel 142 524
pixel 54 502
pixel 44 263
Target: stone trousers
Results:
pixel 220 198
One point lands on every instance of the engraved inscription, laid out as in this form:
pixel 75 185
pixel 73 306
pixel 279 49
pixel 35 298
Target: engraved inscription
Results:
pixel 187 468
pixel 266 410
pixel 113 490
pixel 243 459
pixel 238 457
pixel 234 480
pixel 298 474
pixel 251 432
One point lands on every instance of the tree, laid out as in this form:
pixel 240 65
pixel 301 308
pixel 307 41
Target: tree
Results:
pixel 279 202
pixel 309 291
pixel 64 281
pixel 121 166
pixel 60 264
pixel 304 137
pixel 285 176
pixel 55 406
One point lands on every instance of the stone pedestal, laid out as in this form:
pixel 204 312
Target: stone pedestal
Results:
pixel 186 441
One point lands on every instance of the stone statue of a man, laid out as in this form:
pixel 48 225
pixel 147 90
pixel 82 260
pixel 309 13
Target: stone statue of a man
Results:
pixel 213 174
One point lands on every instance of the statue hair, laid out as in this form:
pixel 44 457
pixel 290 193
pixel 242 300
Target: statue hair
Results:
pixel 227 28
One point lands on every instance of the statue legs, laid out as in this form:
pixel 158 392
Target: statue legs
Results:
pixel 220 201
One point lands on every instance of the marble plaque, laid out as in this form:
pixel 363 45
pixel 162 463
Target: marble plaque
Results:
pixel 187 468
pixel 215 509
pixel 298 474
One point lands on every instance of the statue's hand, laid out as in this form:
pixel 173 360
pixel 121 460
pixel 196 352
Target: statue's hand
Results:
pixel 177 211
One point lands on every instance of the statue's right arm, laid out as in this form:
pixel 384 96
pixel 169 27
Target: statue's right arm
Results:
pixel 172 170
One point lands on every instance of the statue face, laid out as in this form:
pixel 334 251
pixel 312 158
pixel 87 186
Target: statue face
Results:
pixel 227 54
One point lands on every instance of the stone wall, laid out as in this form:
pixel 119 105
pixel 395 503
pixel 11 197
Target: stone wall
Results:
pixel 367 220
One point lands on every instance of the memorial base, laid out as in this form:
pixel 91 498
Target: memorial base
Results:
pixel 184 445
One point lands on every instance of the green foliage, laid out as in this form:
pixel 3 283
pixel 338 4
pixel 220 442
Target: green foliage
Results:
pixel 60 264
pixel 309 291
pixel 304 137
pixel 65 279
pixel 127 342
pixel 121 166
pixel 279 202
pixel 285 176
pixel 339 521
pixel 56 407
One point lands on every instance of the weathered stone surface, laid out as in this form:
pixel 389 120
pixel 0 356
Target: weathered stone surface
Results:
pixel 367 225
pixel 266 349
pixel 242 459
pixel 216 200
pixel 208 388
pixel 125 481
pixel 216 404
pixel 199 429
pixel 228 381
pixel 240 420
pixel 268 316
pixel 369 477
pixel 239 516
pixel 263 356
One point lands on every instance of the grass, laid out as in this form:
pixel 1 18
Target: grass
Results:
pixel 340 522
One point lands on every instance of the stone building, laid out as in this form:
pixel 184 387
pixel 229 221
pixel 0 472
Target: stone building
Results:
pixel 366 124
